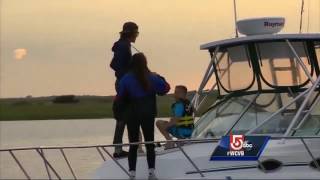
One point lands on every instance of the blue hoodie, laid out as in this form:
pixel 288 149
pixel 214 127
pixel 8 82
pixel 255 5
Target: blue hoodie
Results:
pixel 121 58
pixel 129 87
pixel 132 98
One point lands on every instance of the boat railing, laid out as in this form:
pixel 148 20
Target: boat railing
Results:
pixel 103 152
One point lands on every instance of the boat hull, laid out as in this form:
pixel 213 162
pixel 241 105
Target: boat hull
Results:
pixel 174 165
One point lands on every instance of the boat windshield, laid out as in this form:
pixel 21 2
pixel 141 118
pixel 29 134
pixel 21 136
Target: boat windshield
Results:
pixel 239 115
pixel 272 65
pixel 233 69
pixel 280 67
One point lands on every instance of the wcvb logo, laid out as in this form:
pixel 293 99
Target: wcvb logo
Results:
pixel 238 145
pixel 236 142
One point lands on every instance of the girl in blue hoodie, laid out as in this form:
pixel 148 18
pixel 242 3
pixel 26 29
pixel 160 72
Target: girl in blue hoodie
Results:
pixel 137 93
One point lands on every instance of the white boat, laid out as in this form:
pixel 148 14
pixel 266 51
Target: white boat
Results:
pixel 268 85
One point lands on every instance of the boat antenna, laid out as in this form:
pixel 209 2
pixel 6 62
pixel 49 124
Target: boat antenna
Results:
pixel 301 15
pixel 308 16
pixel 235 17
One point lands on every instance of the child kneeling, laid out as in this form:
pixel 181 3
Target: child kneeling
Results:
pixel 181 122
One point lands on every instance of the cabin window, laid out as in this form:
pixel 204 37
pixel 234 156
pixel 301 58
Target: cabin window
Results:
pixel 280 67
pixel 234 70
pixel 317 49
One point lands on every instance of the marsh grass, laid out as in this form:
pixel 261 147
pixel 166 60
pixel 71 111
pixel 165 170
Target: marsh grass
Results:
pixel 88 107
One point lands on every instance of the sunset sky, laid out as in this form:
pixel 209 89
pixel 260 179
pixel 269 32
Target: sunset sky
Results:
pixel 55 47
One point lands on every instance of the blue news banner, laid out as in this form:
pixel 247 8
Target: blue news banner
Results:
pixel 240 148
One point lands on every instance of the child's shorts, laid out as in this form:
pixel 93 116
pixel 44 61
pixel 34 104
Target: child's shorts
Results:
pixel 180 132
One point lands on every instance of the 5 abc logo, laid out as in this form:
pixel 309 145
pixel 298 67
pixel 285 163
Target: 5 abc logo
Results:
pixel 238 143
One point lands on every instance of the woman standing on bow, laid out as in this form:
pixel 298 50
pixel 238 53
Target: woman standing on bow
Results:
pixel 137 92
pixel 120 64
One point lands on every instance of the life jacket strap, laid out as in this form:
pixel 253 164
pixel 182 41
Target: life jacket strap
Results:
pixel 185 121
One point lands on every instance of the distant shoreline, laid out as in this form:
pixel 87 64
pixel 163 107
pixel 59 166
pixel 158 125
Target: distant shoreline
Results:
pixel 81 107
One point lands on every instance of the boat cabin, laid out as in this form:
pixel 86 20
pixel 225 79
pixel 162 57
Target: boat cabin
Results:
pixel 267 83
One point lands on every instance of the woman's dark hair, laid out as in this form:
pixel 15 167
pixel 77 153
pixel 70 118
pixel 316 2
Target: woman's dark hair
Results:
pixel 140 69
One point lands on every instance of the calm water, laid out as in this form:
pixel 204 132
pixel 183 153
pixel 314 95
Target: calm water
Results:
pixel 55 133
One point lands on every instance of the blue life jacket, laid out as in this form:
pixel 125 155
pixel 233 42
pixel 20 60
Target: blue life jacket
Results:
pixel 187 120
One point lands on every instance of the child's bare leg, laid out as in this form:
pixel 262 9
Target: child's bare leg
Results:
pixel 163 126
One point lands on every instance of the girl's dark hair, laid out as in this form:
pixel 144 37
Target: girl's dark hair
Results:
pixel 140 69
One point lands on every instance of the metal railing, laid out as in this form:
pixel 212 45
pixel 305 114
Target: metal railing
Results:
pixel 50 170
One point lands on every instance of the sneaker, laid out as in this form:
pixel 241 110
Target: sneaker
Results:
pixel 158 144
pixel 120 154
pixel 169 145
pixel 132 174
pixel 152 175
pixel 180 143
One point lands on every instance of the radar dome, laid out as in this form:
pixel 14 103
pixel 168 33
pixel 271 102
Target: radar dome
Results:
pixel 259 26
